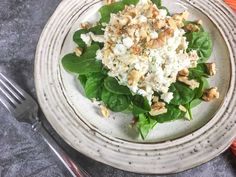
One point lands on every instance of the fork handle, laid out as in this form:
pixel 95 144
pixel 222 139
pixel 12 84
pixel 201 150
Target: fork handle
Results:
pixel 75 170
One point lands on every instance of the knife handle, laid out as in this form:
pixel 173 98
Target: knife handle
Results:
pixel 74 169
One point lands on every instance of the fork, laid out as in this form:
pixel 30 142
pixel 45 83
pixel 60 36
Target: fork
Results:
pixel 25 109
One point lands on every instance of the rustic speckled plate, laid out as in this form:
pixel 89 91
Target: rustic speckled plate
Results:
pixel 171 147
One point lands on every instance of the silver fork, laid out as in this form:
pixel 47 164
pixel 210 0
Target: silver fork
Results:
pixel 22 106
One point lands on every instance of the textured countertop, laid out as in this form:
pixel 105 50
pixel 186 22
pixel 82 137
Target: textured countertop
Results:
pixel 23 152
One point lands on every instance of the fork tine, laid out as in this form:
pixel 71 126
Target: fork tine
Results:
pixel 16 94
pixel 7 95
pixel 6 103
pixel 14 85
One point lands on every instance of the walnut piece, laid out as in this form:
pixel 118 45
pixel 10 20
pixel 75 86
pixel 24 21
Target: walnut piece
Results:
pixel 85 25
pixel 105 112
pixel 78 51
pixel 211 68
pixel 192 27
pixel 161 40
pixel 184 72
pixel 157 109
pixel 210 94
pixel 182 108
pixel 108 1
pixel 134 77
pixel 191 83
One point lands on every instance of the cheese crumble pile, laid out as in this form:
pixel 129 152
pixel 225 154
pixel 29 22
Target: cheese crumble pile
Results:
pixel 144 49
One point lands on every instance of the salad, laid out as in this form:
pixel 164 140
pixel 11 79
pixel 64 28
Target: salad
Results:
pixel 141 59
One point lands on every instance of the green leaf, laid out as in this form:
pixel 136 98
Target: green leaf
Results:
pixel 93 86
pixel 107 10
pixel 195 103
pixel 173 113
pixel 203 85
pixel 130 2
pixel 202 43
pixel 198 72
pixel 90 52
pixel 112 85
pixel 115 102
pixel 182 94
pixel 140 105
pixel 145 124
pixel 82 79
pixel 97 30
pixel 77 38
pixel 74 64
pixel 157 2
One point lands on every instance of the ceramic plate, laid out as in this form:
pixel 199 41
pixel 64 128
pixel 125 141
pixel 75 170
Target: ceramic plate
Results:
pixel 170 147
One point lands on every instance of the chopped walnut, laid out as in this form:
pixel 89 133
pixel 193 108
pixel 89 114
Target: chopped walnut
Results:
pixel 210 94
pixel 211 68
pixel 199 22
pixel 109 1
pixel 105 112
pixel 155 99
pixel 182 108
pixel 182 16
pixel 152 12
pixel 191 83
pixel 136 50
pixel 78 51
pixel 159 24
pixel 85 25
pixel 133 77
pixel 192 27
pixel 184 72
pixel 158 108
pixel 161 40
pixel 172 23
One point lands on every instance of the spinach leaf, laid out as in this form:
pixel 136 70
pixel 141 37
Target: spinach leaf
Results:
pixel 90 52
pixel 82 79
pixel 195 103
pixel 157 2
pixel 73 64
pixel 203 85
pixel 198 72
pixel 93 86
pixel 182 94
pixel 107 10
pixel 173 113
pixel 140 105
pixel 98 30
pixel 201 42
pixel 145 124
pixel 115 102
pixel 112 85
pixel 77 38
pixel 130 2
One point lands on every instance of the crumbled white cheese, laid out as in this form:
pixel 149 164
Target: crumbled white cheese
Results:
pixel 86 38
pixel 142 19
pixel 154 35
pixel 167 97
pixel 119 49
pixel 162 13
pixel 97 38
pixel 99 55
pixel 128 42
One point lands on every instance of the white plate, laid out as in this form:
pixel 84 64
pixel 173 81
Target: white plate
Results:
pixel 171 147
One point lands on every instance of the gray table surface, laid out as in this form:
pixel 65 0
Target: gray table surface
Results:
pixel 22 152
